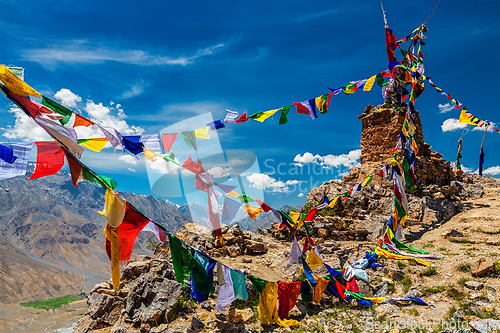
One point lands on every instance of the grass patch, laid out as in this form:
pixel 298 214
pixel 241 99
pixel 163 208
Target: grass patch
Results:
pixel 413 312
pixel 251 302
pixel 462 280
pixel 427 245
pixel 405 281
pixel 428 271
pixel 53 303
pixel 455 294
pixel 488 232
pixel 443 249
pixel 433 290
pixel 461 240
pixel 464 267
pixel 401 264
pixel 497 268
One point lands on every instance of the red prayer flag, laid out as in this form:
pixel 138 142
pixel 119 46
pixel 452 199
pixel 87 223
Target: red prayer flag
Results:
pixel 390 43
pixel 33 108
pixel 132 224
pixel 168 139
pixel 266 208
pixel 310 214
pixel 242 118
pixel 82 121
pixel 75 169
pixel 49 159
pixel 192 166
pixel 288 293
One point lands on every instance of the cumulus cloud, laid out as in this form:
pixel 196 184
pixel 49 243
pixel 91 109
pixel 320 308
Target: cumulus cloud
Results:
pixel 490 128
pixel 265 182
pixel 350 160
pixel 135 90
pixel 67 98
pixel 164 167
pixel 443 108
pixel 24 128
pixel 84 52
pixel 300 195
pixel 452 124
pixel 220 172
pixel 492 171
pixel 129 159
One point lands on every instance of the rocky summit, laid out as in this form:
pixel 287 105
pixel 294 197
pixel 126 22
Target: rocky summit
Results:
pixel 452 215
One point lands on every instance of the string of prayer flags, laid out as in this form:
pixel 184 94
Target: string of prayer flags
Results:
pixel 261 116
pixel 80 172
pixel 189 139
pixel 15 84
pixel 49 159
pixel 21 151
pixel 284 115
pixel 31 108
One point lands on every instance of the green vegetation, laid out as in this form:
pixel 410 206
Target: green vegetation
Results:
pixel 401 264
pixel 427 245
pixel 443 249
pixel 455 294
pixel 464 267
pixel 251 302
pixel 488 232
pixel 413 312
pixel 461 240
pixel 433 290
pixel 405 282
pixel 53 303
pixel 428 271
pixel 497 268
pixel 462 280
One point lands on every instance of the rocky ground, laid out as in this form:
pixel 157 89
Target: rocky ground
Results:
pixel 462 287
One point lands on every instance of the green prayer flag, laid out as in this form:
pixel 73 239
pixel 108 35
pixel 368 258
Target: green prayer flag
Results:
pixel 181 259
pixel 258 283
pixel 245 198
pixel 57 108
pixel 399 209
pixel 284 115
pixel 104 181
pixel 170 157
pixel 401 245
pixel 380 80
pixel 190 139
pixel 406 168
pixel 323 108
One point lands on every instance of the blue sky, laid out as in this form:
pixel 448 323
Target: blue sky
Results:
pixel 144 67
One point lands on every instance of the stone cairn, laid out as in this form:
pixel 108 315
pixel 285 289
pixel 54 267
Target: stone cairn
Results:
pixel 436 198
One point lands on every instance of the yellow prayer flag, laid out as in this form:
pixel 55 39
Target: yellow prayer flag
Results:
pixel 253 212
pixel 15 84
pixel 114 208
pixel 202 133
pixel 333 202
pixel 367 180
pixel 95 144
pixel 264 115
pixel 369 83
pixel 233 194
pixel 150 155
pixel 467 118
pixel 321 285
pixel 377 300
pixel 389 255
pixel 405 132
pixel 295 216
pixel 313 260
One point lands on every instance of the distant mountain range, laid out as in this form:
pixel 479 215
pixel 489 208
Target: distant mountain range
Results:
pixel 51 236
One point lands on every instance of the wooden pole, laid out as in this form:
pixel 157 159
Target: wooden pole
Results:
pixel 383 13
pixel 431 12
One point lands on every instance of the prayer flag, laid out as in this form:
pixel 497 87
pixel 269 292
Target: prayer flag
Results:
pixel 49 159
pixel 216 124
pixel 168 140
pixel 64 135
pixel 288 294
pixel 242 118
pixel 15 84
pixel 152 142
pixel 132 144
pixel 323 102
pixel 295 251
pixel 369 83
pixel 307 107
pixel 114 208
pixel 114 137
pixel 239 286
pixel 284 114
pixel 229 210
pixel 263 205
pixel 261 116
pixel 158 230
pixel 189 139
pixel 313 260
pixel 80 121
pixel 21 150
pixel 202 133
pixel 226 292
pixel 202 276
pixel 80 172
pixel 192 166
pixel 181 259
pixel 253 212
pixel 320 288
pixel 94 144
pixel 7 154
pixel 230 117
pixel 60 109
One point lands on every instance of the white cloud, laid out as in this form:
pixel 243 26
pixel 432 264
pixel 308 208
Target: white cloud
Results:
pixel 220 172
pixel 300 195
pixel 443 108
pixel 129 159
pixel 135 90
pixel 67 98
pixel 452 124
pixel 265 182
pixel 492 171
pixel 84 52
pixel 164 167
pixel 130 169
pixel 350 160
pixel 24 128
